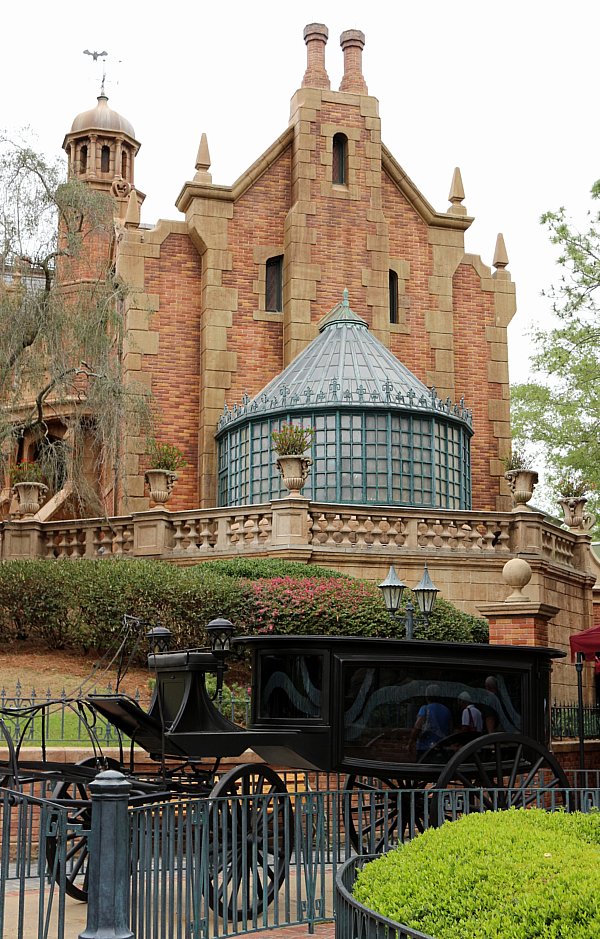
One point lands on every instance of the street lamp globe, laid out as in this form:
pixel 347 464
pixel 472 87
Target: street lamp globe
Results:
pixel 392 588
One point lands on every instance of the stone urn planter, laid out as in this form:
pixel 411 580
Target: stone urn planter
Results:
pixel 294 471
pixel 291 442
pixel 161 483
pixel 574 512
pixel 165 459
pixel 522 482
pixel 30 496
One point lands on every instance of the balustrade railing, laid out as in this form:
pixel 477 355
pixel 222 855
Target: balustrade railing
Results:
pixel 299 524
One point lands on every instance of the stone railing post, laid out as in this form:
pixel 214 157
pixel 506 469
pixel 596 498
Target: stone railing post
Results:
pixel 23 540
pixel 525 532
pixel 290 522
pixel 152 533
pixel 108 873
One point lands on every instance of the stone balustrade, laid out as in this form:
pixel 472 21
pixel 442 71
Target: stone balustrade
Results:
pixel 297 525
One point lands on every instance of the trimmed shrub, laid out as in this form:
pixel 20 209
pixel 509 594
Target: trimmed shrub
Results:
pixel 515 874
pixel 257 568
pixel 80 604
pixel 348 607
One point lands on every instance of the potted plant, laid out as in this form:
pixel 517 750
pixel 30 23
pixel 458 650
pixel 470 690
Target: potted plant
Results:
pixel 164 459
pixel 521 478
pixel 573 489
pixel 27 481
pixel 291 441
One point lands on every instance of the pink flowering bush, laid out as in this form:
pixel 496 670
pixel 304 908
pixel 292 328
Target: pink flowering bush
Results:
pixel 337 607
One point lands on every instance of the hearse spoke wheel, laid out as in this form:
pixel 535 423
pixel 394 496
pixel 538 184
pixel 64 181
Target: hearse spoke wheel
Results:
pixel 503 770
pixel 80 814
pixel 380 811
pixel 251 839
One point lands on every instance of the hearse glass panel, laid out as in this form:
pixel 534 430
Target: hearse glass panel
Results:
pixel 398 712
pixel 290 687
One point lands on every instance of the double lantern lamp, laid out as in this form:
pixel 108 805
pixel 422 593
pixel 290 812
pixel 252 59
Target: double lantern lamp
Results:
pixel 425 592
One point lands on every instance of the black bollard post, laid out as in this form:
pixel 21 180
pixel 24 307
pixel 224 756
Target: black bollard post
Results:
pixel 108 871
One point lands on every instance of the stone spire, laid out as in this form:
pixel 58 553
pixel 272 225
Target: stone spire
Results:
pixel 500 256
pixel 500 261
pixel 352 42
pixel 132 216
pixel 456 195
pixel 203 162
pixel 315 37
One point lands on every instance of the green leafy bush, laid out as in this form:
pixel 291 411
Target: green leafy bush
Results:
pixel 257 568
pixel 516 874
pixel 80 604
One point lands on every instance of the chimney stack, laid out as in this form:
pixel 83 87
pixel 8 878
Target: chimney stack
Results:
pixel 352 42
pixel 315 37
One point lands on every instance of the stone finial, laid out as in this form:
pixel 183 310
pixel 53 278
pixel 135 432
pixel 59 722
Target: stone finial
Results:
pixel 132 216
pixel 457 194
pixel 315 37
pixel 203 162
pixel 352 42
pixel 517 574
pixel 500 256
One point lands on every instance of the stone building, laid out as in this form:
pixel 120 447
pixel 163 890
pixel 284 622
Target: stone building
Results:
pixel 321 287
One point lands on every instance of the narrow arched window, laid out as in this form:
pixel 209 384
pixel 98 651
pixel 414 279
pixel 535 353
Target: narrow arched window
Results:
pixel 124 164
pixel 105 160
pixel 83 160
pixel 393 297
pixel 274 284
pixel 339 174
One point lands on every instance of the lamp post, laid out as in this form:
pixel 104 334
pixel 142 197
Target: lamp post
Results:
pixel 392 589
pixel 220 633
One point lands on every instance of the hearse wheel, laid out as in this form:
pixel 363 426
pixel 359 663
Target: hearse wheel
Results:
pixel 503 770
pixel 380 810
pixel 78 797
pixel 251 839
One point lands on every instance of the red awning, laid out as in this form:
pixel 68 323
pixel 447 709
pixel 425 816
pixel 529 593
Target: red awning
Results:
pixel 587 642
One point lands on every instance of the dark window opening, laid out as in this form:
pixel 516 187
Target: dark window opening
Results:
pixel 124 165
pixel 274 284
pixel 340 160
pixel 105 160
pixel 393 297
pixel 83 160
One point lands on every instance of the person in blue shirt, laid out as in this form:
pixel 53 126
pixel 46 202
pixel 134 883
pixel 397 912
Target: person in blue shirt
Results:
pixel 433 723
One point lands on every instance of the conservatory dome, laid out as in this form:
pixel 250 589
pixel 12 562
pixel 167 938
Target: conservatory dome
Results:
pixel 381 436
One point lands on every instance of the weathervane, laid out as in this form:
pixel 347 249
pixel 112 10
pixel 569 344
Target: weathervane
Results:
pixel 95 56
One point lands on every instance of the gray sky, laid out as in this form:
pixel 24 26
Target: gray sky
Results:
pixel 507 91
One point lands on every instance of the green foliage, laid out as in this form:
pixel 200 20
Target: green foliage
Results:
pixel 80 605
pixel 515 874
pixel 165 456
pixel 561 411
pixel 292 439
pixel 573 485
pixel 518 460
pixel 26 472
pixel 258 568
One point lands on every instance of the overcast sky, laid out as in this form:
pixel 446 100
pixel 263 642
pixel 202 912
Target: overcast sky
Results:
pixel 507 91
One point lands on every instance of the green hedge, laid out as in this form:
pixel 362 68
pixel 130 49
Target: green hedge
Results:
pixel 80 604
pixel 517 875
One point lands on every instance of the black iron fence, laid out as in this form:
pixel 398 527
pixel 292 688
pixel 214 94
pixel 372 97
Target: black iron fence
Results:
pixel 213 867
pixel 565 722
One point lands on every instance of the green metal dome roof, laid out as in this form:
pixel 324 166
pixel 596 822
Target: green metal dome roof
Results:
pixel 345 365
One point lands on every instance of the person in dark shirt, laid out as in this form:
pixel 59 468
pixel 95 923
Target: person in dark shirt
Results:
pixel 433 723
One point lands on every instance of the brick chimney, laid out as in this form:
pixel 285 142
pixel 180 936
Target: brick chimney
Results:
pixel 352 42
pixel 315 37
